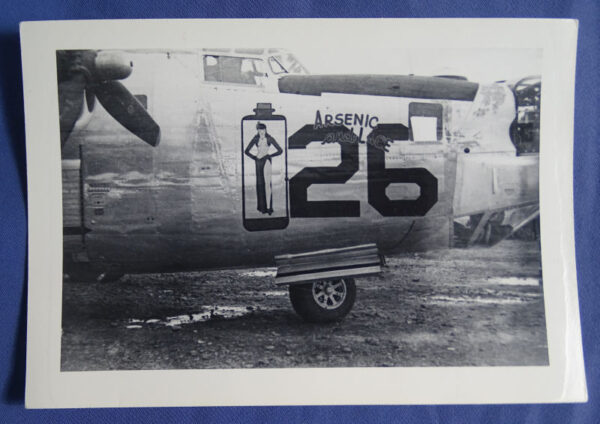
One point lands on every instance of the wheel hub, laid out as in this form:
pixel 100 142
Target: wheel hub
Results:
pixel 329 294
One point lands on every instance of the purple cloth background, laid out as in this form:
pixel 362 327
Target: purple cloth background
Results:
pixel 13 222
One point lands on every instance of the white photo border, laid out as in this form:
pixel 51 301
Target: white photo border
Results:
pixel 563 380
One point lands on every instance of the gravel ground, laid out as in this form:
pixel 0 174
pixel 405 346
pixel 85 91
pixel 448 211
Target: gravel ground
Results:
pixel 458 307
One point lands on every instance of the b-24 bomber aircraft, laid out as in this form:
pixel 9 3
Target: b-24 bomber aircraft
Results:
pixel 216 158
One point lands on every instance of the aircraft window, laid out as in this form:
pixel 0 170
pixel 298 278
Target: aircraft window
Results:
pixel 231 69
pixel 286 63
pixel 423 128
pixel 211 68
pixel 276 67
pixel 425 121
pixel 247 66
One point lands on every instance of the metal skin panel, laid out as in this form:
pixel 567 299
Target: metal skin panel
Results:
pixel 487 183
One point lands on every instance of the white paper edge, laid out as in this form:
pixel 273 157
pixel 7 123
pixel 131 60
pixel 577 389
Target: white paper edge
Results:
pixel 46 387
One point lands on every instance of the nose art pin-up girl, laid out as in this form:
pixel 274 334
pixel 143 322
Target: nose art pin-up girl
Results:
pixel 262 143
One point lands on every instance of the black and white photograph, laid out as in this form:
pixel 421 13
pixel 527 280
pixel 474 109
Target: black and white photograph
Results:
pixel 229 208
pixel 225 217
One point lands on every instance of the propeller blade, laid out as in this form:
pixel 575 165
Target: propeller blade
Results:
pixel 90 99
pixel 70 104
pixel 127 110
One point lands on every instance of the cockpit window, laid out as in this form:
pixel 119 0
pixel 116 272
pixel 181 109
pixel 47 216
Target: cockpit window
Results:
pixel 232 69
pixel 286 63
pixel 276 67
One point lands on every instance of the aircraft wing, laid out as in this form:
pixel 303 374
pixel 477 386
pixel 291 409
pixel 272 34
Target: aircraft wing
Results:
pixel 380 85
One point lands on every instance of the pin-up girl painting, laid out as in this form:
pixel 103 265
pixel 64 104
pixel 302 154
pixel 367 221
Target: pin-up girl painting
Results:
pixel 262 144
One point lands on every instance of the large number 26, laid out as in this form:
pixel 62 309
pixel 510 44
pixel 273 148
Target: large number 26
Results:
pixel 379 177
pixel 299 204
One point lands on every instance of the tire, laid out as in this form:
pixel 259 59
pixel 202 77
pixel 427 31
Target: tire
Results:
pixel 325 300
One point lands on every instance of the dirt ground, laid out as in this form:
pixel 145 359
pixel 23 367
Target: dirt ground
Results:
pixel 458 307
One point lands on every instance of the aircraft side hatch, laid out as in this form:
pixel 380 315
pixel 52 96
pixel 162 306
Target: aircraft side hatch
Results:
pixel 328 264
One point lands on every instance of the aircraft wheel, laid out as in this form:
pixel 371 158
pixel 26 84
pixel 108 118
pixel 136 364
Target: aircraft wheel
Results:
pixel 324 300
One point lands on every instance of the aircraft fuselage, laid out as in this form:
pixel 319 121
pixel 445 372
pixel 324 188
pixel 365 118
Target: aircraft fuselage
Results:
pixel 354 169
